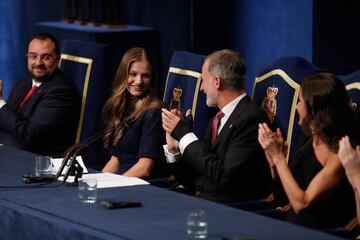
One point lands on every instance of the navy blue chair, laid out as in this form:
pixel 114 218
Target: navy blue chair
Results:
pixel 276 89
pixel 86 64
pixel 182 89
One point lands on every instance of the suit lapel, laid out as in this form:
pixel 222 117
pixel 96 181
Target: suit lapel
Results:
pixel 22 89
pixel 227 128
pixel 31 102
pixel 19 94
pixel 33 98
pixel 208 132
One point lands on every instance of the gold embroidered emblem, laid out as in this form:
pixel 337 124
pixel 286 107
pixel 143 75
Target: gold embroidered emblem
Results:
pixel 353 105
pixel 175 102
pixel 269 103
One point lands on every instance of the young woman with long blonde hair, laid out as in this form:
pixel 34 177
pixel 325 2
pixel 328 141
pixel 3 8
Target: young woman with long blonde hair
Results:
pixel 136 143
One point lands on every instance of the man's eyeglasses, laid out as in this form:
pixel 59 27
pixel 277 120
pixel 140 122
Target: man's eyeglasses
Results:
pixel 44 57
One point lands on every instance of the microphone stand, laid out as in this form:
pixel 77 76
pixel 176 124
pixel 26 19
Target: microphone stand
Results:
pixel 70 155
pixel 82 149
pixel 74 167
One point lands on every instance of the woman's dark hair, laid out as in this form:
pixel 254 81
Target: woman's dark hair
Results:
pixel 329 115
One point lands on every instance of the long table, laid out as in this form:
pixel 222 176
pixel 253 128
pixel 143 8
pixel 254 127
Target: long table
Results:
pixel 54 212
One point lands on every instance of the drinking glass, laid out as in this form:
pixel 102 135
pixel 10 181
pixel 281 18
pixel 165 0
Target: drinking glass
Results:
pixel 43 166
pixel 196 225
pixel 87 190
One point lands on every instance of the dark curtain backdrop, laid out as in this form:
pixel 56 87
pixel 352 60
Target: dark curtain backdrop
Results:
pixel 336 37
pixel 173 19
pixel 16 28
pixel 265 30
pixel 322 31
pixel 261 30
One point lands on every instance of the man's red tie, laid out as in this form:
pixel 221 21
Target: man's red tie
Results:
pixel 27 96
pixel 215 125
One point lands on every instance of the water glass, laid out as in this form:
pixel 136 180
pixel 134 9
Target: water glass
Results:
pixel 87 190
pixel 43 166
pixel 196 225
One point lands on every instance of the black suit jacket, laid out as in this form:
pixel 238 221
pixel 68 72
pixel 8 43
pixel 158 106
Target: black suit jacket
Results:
pixel 46 123
pixel 233 168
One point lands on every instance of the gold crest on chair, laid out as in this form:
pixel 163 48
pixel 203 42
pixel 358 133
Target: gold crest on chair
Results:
pixel 175 102
pixel 353 105
pixel 269 103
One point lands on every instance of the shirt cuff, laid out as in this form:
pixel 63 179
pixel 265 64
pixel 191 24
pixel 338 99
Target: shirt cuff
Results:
pixel 2 103
pixel 171 157
pixel 186 140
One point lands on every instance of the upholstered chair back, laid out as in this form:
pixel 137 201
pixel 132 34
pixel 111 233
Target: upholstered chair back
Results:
pixel 182 89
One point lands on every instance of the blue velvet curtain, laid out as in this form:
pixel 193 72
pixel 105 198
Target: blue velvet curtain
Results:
pixel 17 18
pixel 261 30
pixel 174 20
pixel 266 30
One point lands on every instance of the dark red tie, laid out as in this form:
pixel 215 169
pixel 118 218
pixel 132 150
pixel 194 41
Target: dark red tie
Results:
pixel 27 96
pixel 215 125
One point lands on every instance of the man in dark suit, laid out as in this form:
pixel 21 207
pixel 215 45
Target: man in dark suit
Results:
pixel 229 164
pixel 41 114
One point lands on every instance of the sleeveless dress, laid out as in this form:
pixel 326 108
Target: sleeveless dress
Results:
pixel 334 210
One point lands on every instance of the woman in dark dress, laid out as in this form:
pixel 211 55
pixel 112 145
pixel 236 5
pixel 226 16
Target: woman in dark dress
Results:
pixel 136 144
pixel 316 187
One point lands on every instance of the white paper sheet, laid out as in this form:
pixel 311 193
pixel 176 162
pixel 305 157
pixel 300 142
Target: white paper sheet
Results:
pixel 108 180
pixel 58 161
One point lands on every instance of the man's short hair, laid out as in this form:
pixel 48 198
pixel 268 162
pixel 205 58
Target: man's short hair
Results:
pixel 230 66
pixel 45 36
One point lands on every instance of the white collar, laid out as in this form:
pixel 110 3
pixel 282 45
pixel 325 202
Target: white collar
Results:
pixel 36 83
pixel 229 108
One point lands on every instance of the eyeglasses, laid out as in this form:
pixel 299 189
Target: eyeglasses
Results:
pixel 44 57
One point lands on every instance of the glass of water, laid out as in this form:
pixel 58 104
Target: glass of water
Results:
pixel 43 166
pixel 196 225
pixel 87 190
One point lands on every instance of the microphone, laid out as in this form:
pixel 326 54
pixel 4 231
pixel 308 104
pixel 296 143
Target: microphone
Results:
pixel 73 165
pixel 69 156
pixel 72 152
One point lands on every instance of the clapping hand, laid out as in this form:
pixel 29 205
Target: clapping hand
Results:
pixel 170 118
pixel 350 159
pixel 174 124
pixel 169 121
pixel 273 144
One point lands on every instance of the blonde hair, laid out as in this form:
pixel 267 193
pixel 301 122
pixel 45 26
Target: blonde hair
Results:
pixel 121 107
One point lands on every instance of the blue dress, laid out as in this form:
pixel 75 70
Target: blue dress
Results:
pixel 143 137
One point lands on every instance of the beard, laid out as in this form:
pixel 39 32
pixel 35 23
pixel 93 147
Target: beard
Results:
pixel 210 102
pixel 42 75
